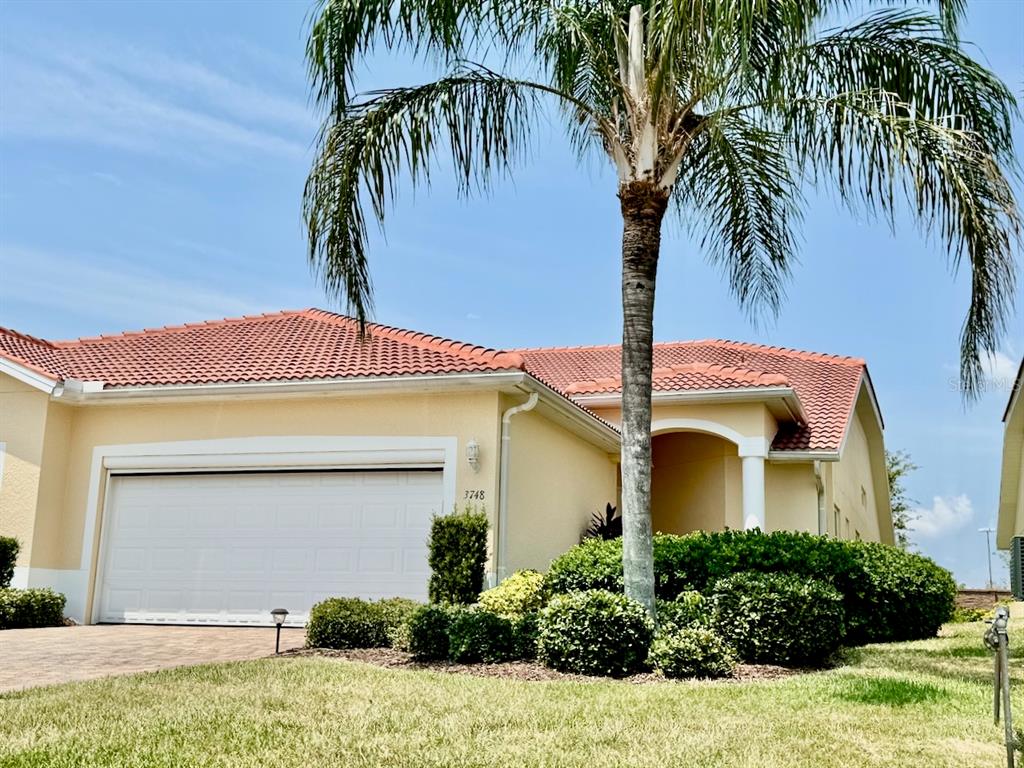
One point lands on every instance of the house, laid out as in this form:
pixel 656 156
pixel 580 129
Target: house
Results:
pixel 212 471
pixel 1011 487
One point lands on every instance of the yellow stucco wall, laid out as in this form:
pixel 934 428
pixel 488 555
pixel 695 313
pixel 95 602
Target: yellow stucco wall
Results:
pixel 23 430
pixel 852 491
pixel 556 482
pixel 748 419
pixel 791 497
pixel 696 483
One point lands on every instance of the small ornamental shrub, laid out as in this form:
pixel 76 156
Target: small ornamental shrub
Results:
pixel 427 631
pixel 778 618
pixel 9 548
pixel 395 613
pixel 888 594
pixel 475 634
pixel 457 556
pixel 519 594
pixel 346 622
pixel 689 609
pixel 962 615
pixel 524 633
pixel 29 608
pixel 594 633
pixel 692 651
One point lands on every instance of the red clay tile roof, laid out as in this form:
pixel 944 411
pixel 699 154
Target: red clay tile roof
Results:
pixel 313 344
pixel 826 385
pixel 286 346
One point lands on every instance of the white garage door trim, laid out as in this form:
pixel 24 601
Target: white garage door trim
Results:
pixel 282 453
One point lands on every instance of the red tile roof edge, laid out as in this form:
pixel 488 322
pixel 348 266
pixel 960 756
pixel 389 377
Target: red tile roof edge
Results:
pixel 753 378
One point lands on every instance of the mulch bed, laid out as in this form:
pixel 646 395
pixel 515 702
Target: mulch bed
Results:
pixel 527 670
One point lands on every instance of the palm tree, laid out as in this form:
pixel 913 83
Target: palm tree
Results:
pixel 720 109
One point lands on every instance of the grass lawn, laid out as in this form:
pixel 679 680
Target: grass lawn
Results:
pixel 914 704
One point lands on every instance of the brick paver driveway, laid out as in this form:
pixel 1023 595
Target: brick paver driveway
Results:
pixel 31 657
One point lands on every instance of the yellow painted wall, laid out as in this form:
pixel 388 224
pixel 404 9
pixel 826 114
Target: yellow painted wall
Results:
pixel 556 482
pixel 791 497
pixel 749 419
pixel 51 523
pixel 696 483
pixel 23 429
pixel 853 489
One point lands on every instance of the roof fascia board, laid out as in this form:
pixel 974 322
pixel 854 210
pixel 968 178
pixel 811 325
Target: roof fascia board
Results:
pixel 792 457
pixel 350 386
pixel 750 394
pixel 1018 385
pixel 27 375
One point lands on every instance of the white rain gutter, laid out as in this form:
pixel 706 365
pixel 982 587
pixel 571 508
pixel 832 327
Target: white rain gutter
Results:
pixel 500 570
pixel 822 517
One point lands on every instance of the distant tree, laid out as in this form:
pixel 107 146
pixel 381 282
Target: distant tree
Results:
pixel 898 465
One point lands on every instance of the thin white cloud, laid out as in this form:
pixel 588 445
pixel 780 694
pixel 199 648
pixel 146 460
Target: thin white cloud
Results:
pixel 1000 368
pixel 111 290
pixel 946 514
pixel 145 102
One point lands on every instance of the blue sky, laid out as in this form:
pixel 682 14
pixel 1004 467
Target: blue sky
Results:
pixel 152 157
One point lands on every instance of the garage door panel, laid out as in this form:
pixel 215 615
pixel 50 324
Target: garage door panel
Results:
pixel 227 548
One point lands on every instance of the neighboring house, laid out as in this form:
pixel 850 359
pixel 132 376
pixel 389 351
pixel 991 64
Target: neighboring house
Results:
pixel 210 472
pixel 1011 487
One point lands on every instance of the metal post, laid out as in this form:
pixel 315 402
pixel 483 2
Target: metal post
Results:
pixel 998 641
pixel 277 643
pixel 988 550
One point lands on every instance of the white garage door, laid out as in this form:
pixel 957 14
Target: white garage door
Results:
pixel 227 548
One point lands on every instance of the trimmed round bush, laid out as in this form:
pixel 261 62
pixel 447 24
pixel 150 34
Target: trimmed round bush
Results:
pixel 689 609
pixel 475 634
pixel 524 631
pixel 395 613
pixel 346 622
pixel 888 594
pixel 519 594
pixel 691 651
pixel 779 618
pixel 427 632
pixel 594 633
pixel 29 608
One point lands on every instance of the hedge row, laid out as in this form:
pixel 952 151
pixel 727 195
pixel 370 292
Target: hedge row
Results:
pixel 888 594
pixel 28 608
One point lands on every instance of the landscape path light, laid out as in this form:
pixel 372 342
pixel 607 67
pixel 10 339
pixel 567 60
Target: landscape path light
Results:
pixel 279 614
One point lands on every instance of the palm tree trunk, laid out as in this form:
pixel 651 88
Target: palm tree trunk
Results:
pixel 643 207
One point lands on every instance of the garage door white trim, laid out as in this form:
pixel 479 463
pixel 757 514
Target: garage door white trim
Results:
pixel 293 452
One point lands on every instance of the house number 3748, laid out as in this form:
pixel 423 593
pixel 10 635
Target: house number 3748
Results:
pixel 475 495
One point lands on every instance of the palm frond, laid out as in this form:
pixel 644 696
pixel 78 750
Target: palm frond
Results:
pixel 476 118
pixel 746 202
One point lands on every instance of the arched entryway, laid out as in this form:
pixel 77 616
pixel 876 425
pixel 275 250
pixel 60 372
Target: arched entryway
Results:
pixel 696 483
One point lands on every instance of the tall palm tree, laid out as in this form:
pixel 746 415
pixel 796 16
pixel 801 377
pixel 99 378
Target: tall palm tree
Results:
pixel 720 109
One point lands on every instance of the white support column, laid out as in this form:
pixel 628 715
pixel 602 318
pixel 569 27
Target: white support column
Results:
pixel 753 492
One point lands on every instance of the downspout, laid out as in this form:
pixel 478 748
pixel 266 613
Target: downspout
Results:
pixel 822 517
pixel 500 569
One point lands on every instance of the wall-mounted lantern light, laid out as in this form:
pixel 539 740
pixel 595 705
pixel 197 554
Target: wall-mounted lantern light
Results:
pixel 473 454
pixel 279 614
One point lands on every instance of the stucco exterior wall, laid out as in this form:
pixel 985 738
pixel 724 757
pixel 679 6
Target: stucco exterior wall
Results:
pixel 50 519
pixel 696 483
pixel 853 492
pixel 556 482
pixel 791 497
pixel 23 432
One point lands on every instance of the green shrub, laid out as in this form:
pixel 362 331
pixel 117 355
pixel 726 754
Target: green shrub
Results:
pixel 9 548
pixel 779 618
pixel 28 608
pixel 692 651
pixel 395 613
pixel 519 594
pixel 458 554
pixel 524 631
pixel 346 622
pixel 427 629
pixel 888 594
pixel 475 634
pixel 962 615
pixel 689 609
pixel 594 633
